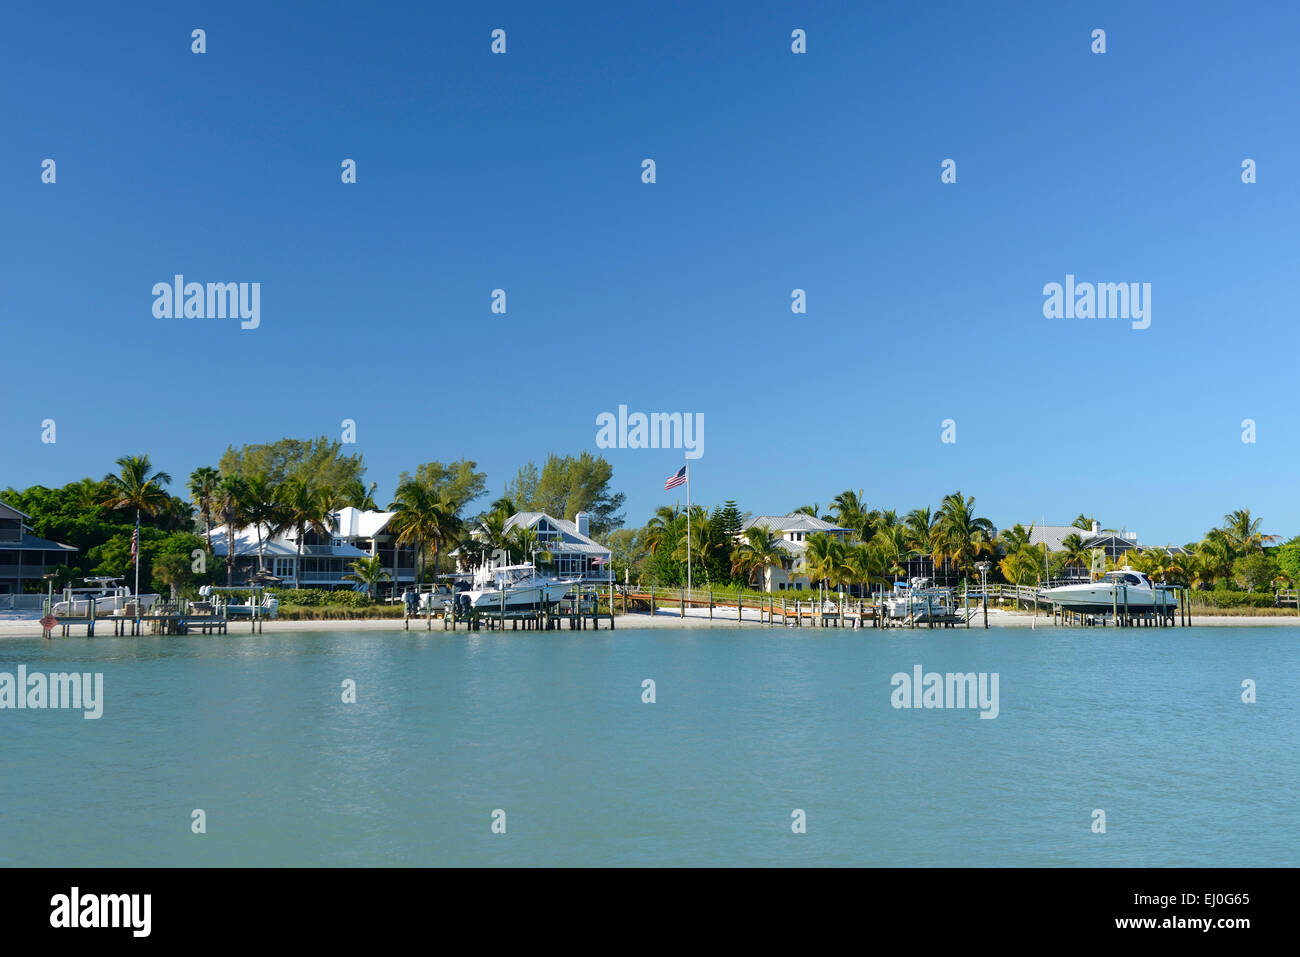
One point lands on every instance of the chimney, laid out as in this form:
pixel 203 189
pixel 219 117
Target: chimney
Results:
pixel 583 521
pixel 1096 527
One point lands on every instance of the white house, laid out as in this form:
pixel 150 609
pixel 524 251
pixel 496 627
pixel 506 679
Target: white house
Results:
pixel 793 531
pixel 356 533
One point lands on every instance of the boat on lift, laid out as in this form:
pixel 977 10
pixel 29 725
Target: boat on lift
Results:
pixel 1124 588
pixel 110 597
pixel 517 587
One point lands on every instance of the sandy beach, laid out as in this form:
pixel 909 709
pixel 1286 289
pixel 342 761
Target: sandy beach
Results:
pixel 665 618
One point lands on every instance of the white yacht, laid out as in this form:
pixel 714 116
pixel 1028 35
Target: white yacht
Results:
pixel 110 597
pixel 520 585
pixel 1121 589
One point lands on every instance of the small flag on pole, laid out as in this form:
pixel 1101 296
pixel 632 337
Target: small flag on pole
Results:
pixel 135 543
pixel 599 559
pixel 678 478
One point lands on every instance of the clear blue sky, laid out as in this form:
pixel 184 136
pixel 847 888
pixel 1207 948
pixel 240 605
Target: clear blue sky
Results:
pixel 775 171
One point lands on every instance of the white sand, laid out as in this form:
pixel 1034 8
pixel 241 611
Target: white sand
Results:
pixel 665 618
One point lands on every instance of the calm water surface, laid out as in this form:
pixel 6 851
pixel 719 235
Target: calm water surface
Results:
pixel 749 725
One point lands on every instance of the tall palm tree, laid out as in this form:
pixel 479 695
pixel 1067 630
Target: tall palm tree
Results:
pixel 418 513
pixel 1243 532
pixel 358 495
pixel 918 525
pixel 960 535
pixel 305 507
pixel 229 502
pixel 849 510
pixel 262 507
pixel 890 545
pixel 1083 521
pixel 862 565
pixel 137 486
pixel 203 493
pixel 759 551
pixel 824 559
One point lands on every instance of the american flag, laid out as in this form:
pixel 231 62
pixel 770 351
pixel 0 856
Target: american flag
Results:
pixel 135 543
pixel 599 559
pixel 676 479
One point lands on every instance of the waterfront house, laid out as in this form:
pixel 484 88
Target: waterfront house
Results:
pixel 1114 544
pixel 24 557
pixel 573 552
pixel 326 559
pixel 793 531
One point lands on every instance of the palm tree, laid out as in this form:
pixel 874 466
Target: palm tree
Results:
pixel 359 495
pixel 421 516
pixel 862 565
pixel 1077 552
pixel 1243 532
pixel 814 510
pixel 824 559
pixel 890 545
pixel 305 507
pixel 959 534
pixel 523 541
pixel 662 528
pixel 368 571
pixel 173 570
pixel 137 486
pixel 230 497
pixel 759 551
pixel 203 492
pixel 1018 565
pixel 1083 521
pixel 1214 555
pixel 848 510
pixel 918 526
pixel 703 543
pixel 262 507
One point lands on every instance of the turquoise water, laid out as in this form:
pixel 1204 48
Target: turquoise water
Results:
pixel 748 725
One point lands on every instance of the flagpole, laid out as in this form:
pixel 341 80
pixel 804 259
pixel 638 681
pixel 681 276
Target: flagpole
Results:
pixel 688 528
pixel 137 564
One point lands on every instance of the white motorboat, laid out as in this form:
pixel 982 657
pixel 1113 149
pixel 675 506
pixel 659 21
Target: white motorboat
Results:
pixel 920 599
pixel 517 587
pixel 1120 589
pixel 109 598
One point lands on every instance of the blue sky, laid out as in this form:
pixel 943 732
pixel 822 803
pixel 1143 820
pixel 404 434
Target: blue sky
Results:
pixel 775 171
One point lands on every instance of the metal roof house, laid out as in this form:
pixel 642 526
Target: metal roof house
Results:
pixel 325 559
pixel 793 531
pixel 24 557
pixel 1113 543
pixel 574 553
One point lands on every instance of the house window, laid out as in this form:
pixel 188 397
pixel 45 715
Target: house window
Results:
pixel 283 568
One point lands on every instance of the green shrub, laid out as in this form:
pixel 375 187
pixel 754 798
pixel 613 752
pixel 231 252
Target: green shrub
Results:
pixel 321 597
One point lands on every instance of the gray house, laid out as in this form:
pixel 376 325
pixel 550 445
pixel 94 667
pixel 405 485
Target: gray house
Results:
pixel 25 558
